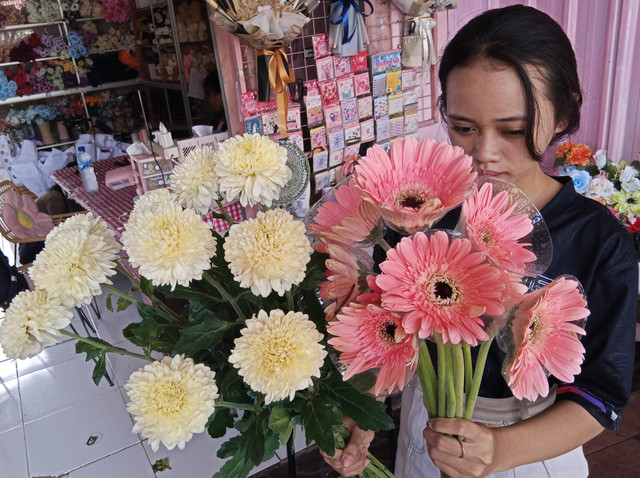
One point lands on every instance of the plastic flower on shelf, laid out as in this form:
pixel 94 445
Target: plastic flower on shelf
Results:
pixel 417 184
pixel 194 180
pixel 268 253
pixel 613 184
pixel 542 335
pixel 278 353
pixel 43 11
pixel 171 400
pixel 12 15
pixel 252 168
pixel 169 244
pixel 21 215
pixel 78 258
pixel 7 88
pixel 115 10
pixel 38 114
pixel 31 323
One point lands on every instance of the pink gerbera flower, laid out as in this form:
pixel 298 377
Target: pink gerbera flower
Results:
pixel 370 337
pixel 347 219
pixel 418 184
pixel 492 227
pixel 443 287
pixel 22 217
pixel 545 335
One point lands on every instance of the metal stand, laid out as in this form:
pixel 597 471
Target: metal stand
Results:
pixel 291 457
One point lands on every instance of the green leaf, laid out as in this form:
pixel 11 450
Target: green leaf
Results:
pixel 145 332
pixel 219 421
pixel 203 336
pixel 146 286
pixel 146 311
pixel 231 447
pixel 123 304
pixel 108 303
pixel 315 271
pixel 319 415
pixel 280 422
pixel 236 467
pixel 99 369
pixel 92 350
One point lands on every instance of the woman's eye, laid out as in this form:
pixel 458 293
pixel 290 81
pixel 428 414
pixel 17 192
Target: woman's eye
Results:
pixel 514 132
pixel 462 129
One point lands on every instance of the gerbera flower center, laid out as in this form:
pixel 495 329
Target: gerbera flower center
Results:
pixel 535 327
pixel 170 397
pixel 25 219
pixel 442 291
pixel 388 331
pixel 487 237
pixel 412 198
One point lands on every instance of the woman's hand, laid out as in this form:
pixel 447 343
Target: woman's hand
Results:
pixel 353 459
pixel 472 457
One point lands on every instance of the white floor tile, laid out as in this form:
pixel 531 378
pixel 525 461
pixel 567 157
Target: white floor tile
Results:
pixel 7 370
pixel 58 443
pixel 49 356
pixel 13 454
pixel 58 387
pixel 131 462
pixel 10 416
pixel 111 324
pixel 123 365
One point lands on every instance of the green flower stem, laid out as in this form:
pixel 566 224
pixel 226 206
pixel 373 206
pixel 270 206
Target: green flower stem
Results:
pixel 428 380
pixel 458 377
pixel 477 378
pixel 107 348
pixel 235 405
pixel 290 303
pixel 223 292
pixel 468 369
pixel 451 391
pixel 442 374
pixel 224 212
pixel 382 243
pixel 128 275
pixel 124 295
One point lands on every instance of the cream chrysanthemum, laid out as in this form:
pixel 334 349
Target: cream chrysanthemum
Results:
pixel 253 168
pixel 79 256
pixel 268 253
pixel 278 354
pixel 31 323
pixel 168 244
pixel 194 180
pixel 171 400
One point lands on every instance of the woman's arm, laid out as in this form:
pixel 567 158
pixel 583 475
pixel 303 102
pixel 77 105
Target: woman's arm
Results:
pixel 557 430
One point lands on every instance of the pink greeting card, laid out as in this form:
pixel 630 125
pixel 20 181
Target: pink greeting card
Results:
pixel 410 96
pixel 293 119
pixel 297 139
pixel 315 116
pixel 341 65
pixel 325 68
pixel 345 87
pixel 311 88
pixel 379 85
pixel 333 116
pixel 352 133
pixel 270 123
pixel 351 152
pixel 386 61
pixel 410 78
pixel 322 180
pixel 383 130
pixel 367 132
pixel 349 111
pixel 396 126
pixel 318 137
pixel 411 123
pixel 329 92
pixel 336 139
pixel 249 100
pixel 361 84
pixel 359 61
pixel 365 107
pixel 380 107
pixel 395 104
pixel 320 45
pixel 335 157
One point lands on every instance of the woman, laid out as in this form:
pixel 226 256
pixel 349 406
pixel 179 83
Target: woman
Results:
pixel 509 89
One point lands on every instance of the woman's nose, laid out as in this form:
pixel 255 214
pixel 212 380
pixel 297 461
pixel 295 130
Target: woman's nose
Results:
pixel 485 149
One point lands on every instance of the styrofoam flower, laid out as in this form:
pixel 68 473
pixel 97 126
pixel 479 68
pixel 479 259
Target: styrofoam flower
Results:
pixel 21 214
pixel 171 400
pixel 601 189
pixel 31 323
pixel 268 253
pixel 79 256
pixel 278 353
pixel 170 245
pixel 252 168
pixel 194 180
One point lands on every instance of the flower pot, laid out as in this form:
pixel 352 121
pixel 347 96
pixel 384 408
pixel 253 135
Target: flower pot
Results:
pixel 45 133
pixel 63 133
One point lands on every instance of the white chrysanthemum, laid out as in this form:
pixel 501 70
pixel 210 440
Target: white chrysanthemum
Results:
pixel 78 257
pixel 31 323
pixel 194 180
pixel 268 253
pixel 171 400
pixel 253 168
pixel 168 244
pixel 278 354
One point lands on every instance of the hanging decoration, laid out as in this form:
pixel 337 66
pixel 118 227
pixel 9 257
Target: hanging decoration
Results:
pixel 268 26
pixel 348 32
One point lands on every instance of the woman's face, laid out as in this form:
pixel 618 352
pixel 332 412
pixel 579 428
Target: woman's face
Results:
pixel 487 116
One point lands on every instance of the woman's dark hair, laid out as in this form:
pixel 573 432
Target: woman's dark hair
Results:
pixel 520 36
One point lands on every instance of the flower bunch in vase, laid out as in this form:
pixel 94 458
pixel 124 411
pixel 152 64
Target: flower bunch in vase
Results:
pixel 38 114
pixel 246 347
pixel 616 184
pixel 429 296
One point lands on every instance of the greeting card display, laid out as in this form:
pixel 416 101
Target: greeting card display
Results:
pixel 322 180
pixel 293 119
pixel 335 157
pixel 315 115
pixel 333 116
pixel 359 61
pixel 336 139
pixel 349 111
pixel 395 104
pixel 365 107
pixel 380 107
pixel 379 86
pixel 329 92
pixel 320 45
pixel 383 129
pixel 351 153
pixel 297 139
pixel 411 109
pixel 397 126
pixel 394 81
pixel 367 132
pixel 410 78
pixel 361 84
pixel 318 137
pixel 270 123
pixel 387 61
pixel 341 66
pixel 320 159
pixel 345 87
pixel 248 101
pixel 352 133
pixel 411 123
pixel 311 88
pixel 325 68
pixel 253 125
pixel 411 96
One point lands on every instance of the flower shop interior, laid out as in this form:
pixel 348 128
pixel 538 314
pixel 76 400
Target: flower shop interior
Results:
pixel 137 85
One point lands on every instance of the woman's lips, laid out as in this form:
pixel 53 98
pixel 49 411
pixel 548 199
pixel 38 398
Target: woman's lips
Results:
pixel 489 173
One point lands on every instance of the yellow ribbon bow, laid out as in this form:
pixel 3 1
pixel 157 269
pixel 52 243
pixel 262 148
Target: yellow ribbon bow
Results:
pixel 279 76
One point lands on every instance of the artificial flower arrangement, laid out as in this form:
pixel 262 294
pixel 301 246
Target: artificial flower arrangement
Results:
pixel 8 87
pixel 43 11
pixel 38 114
pixel 594 175
pixel 25 50
pixel 12 16
pixel 115 10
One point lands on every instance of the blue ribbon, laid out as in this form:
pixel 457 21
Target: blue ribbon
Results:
pixel 343 18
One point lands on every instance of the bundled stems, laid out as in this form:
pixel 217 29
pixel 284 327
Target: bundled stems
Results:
pixel 428 380
pixel 477 378
pixel 224 212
